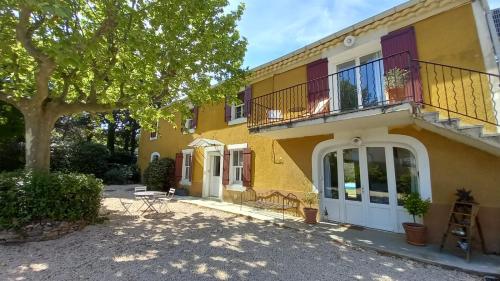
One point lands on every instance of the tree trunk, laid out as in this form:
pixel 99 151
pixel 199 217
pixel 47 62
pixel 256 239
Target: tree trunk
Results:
pixel 38 128
pixel 111 137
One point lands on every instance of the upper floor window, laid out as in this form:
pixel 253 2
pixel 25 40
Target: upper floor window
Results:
pixel 238 111
pixel 154 134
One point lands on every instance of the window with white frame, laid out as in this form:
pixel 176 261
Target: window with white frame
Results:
pixel 186 166
pixel 238 111
pixel 154 134
pixel 236 173
pixel 155 156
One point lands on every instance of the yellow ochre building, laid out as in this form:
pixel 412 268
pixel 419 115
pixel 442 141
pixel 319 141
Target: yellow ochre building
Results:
pixel 407 100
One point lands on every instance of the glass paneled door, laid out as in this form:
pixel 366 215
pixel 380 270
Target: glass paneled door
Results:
pixel 359 184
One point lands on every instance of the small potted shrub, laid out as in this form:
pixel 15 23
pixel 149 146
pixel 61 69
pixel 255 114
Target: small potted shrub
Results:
pixel 415 232
pixel 395 81
pixel 310 198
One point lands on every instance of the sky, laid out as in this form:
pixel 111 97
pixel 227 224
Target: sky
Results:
pixel 274 28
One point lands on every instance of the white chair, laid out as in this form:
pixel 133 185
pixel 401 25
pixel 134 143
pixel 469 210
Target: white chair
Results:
pixel 163 199
pixel 274 115
pixel 140 189
pixel 126 205
pixel 321 106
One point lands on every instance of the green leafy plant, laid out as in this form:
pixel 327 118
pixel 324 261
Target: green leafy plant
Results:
pixel 159 175
pixel 27 197
pixel 396 78
pixel 310 198
pixel 415 205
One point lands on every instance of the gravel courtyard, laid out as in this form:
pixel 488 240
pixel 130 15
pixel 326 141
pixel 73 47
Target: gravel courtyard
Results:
pixel 193 243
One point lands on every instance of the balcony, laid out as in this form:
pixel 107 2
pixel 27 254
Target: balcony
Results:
pixel 381 92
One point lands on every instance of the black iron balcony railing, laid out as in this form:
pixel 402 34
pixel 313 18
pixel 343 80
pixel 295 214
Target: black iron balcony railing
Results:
pixel 393 80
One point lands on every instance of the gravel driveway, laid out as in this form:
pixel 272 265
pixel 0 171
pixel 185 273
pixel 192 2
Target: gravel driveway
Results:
pixel 193 243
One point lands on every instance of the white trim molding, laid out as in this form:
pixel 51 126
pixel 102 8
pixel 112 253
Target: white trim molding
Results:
pixel 153 155
pixel 374 137
pixel 237 121
pixel 184 180
pixel 237 146
pixel 206 168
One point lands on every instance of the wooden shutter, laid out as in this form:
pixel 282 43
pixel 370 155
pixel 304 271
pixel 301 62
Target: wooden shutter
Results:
pixel 317 83
pixel 227 112
pixel 195 116
pixel 178 166
pixel 248 100
pixel 399 41
pixel 225 169
pixel 247 167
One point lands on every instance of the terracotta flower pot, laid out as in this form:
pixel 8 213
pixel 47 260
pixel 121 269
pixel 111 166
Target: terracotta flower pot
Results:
pixel 311 214
pixel 415 233
pixel 396 95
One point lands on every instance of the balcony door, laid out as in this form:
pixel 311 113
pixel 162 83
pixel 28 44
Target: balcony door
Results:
pixel 358 83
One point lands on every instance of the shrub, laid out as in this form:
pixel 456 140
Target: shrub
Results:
pixel 27 197
pixel 90 158
pixel 159 175
pixel 118 174
pixel 415 205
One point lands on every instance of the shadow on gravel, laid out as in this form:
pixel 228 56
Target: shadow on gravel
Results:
pixel 193 243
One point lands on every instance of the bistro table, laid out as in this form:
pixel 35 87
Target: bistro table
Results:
pixel 148 197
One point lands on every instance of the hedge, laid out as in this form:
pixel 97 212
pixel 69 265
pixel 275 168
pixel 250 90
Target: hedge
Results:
pixel 27 197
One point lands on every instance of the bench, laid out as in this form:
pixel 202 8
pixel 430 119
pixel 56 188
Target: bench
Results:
pixel 273 200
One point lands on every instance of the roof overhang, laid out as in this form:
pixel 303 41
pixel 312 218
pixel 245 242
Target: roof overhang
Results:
pixel 201 142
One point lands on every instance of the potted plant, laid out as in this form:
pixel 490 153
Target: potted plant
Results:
pixel 310 198
pixel 395 81
pixel 415 232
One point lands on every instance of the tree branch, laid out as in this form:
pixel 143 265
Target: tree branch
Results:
pixel 46 64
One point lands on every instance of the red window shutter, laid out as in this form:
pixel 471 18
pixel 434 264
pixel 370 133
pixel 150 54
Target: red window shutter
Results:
pixel 227 112
pixel 247 167
pixel 399 41
pixel 317 83
pixel 178 166
pixel 225 169
pixel 248 101
pixel 195 117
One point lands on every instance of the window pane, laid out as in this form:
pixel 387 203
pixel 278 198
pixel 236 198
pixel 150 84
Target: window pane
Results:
pixel 331 181
pixel 377 175
pixel 235 158
pixel 238 175
pixel 405 166
pixel 371 79
pixel 240 158
pixel 352 179
pixel 216 169
pixel 347 89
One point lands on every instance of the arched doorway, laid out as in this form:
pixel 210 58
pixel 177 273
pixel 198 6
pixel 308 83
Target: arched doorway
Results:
pixel 363 184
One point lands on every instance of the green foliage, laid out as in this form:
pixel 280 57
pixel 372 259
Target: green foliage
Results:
pixel 159 175
pixel 310 198
pixel 415 205
pixel 136 54
pixel 118 174
pixel 90 158
pixel 12 137
pixel 396 78
pixel 27 197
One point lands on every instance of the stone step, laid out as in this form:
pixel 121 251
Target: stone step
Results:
pixel 472 130
pixel 491 137
pixel 431 116
pixel 453 123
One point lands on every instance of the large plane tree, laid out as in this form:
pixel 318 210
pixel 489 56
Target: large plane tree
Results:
pixel 60 57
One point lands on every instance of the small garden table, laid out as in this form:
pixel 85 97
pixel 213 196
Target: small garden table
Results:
pixel 148 197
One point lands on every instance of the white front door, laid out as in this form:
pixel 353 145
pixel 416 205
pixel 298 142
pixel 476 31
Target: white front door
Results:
pixel 363 185
pixel 215 174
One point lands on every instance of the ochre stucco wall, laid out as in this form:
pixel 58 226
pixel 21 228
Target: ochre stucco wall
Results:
pixel 445 40
pixel 454 165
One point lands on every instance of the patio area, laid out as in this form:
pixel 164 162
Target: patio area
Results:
pixel 387 243
pixel 194 242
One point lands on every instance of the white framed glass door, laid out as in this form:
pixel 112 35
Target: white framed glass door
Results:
pixel 215 174
pixel 364 185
